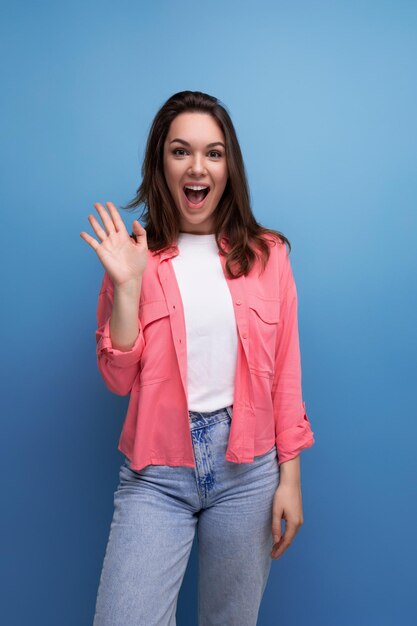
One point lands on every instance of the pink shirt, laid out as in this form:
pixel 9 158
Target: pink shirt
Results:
pixel 268 407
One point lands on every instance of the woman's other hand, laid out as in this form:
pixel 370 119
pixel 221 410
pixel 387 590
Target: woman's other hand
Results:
pixel 122 257
pixel 287 505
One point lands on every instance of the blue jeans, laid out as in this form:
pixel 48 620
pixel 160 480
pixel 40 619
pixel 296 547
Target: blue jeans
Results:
pixel 156 512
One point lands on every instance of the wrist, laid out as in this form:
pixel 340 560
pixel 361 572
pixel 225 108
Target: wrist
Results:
pixel 130 288
pixel 290 473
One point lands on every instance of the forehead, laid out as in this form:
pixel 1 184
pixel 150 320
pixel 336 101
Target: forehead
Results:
pixel 195 127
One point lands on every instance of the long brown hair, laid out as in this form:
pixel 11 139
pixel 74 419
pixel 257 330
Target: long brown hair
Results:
pixel 233 217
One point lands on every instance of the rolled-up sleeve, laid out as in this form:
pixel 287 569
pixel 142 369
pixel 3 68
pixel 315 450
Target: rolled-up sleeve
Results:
pixel 292 426
pixel 118 368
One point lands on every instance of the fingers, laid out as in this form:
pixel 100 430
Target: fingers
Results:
pixel 97 228
pixel 138 226
pixel 117 220
pixel 90 240
pixel 284 541
pixel 279 548
pixel 111 222
pixel 138 230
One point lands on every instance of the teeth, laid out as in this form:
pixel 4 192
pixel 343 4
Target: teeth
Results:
pixel 196 187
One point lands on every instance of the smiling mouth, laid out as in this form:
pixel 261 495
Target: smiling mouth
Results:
pixel 196 197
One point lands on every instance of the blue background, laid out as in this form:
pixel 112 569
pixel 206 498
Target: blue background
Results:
pixel 323 98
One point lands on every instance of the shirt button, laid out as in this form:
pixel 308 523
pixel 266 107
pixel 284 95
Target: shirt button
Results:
pixel 244 335
pixel 238 301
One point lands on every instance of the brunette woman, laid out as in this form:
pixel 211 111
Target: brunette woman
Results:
pixel 197 322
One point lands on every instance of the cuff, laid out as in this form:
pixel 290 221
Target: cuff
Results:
pixel 119 358
pixel 292 441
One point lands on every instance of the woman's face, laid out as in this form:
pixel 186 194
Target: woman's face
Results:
pixel 194 154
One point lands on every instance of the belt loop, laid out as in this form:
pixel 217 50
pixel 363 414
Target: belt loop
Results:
pixel 229 410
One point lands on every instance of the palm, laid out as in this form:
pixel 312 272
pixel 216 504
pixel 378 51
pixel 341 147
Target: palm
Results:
pixel 122 257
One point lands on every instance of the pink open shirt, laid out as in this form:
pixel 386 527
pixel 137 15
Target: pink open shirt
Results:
pixel 267 407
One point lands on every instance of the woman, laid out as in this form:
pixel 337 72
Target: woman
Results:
pixel 197 321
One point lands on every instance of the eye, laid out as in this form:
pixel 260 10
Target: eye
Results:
pixel 216 153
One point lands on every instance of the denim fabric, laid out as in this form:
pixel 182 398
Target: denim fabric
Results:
pixel 157 511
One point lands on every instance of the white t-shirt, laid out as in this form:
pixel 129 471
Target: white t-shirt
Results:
pixel 211 331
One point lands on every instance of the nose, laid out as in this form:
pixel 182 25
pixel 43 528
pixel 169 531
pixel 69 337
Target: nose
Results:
pixel 197 166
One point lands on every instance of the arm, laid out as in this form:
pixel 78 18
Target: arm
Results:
pixel 292 426
pixel 119 335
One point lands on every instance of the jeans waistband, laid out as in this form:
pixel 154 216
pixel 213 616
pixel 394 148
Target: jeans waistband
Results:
pixel 204 418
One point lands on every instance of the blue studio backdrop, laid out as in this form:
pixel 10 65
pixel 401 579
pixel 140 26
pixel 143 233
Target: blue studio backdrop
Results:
pixel 323 97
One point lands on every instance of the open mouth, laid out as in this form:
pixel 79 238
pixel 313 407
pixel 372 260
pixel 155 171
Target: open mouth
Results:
pixel 196 197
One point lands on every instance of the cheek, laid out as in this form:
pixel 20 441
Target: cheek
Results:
pixel 221 184
pixel 222 176
pixel 171 179
pixel 174 172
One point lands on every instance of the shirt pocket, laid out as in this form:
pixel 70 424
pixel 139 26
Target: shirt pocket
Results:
pixel 264 317
pixel 156 327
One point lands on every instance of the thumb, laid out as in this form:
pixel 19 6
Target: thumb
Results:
pixel 137 229
pixel 276 530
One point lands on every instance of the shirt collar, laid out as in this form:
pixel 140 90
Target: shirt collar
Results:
pixel 174 249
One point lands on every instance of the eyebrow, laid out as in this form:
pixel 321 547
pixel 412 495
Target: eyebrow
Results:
pixel 209 145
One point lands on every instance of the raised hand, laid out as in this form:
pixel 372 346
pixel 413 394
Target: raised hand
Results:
pixel 122 257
